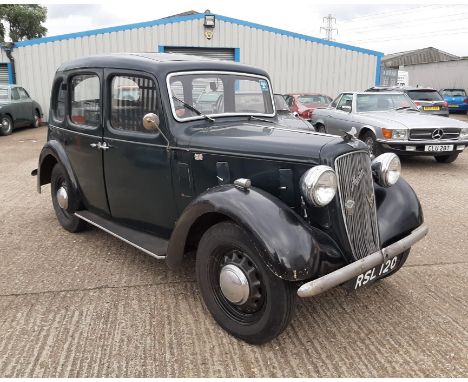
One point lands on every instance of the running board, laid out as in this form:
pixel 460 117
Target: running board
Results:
pixel 152 245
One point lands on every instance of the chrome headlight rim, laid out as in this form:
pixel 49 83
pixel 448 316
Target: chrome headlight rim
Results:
pixel 463 133
pixel 386 169
pixel 311 181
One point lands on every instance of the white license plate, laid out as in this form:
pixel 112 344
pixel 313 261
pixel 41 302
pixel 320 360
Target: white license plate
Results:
pixel 438 148
pixel 375 273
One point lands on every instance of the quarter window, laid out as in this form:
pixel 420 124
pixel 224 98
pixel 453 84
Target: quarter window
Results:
pixel 15 94
pixel 346 100
pixel 132 97
pixel 85 100
pixel 58 101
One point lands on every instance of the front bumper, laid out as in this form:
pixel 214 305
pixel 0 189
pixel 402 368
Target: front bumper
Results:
pixel 333 279
pixel 418 147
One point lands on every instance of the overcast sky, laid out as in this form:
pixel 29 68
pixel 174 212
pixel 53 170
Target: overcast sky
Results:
pixel 384 27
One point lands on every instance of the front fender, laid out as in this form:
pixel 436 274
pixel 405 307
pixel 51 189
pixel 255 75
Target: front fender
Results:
pixel 52 153
pixel 398 211
pixel 292 249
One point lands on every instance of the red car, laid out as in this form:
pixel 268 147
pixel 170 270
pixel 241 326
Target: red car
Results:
pixel 305 103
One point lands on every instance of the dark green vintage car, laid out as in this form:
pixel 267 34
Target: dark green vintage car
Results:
pixel 270 212
pixel 17 109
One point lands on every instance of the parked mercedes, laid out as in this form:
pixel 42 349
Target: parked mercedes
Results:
pixel 17 109
pixel 391 122
pixel 269 213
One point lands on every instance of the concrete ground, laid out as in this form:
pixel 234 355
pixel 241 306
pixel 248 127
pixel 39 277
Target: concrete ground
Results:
pixel 88 305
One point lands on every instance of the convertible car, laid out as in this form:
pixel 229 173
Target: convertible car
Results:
pixel 391 122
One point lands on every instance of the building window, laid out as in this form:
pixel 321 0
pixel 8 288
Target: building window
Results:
pixel 132 97
pixel 85 100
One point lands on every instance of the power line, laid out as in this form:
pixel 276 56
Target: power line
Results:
pixel 394 12
pixel 330 20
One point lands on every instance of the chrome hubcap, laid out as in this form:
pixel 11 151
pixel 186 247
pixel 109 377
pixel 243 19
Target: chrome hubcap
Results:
pixel 234 284
pixel 62 198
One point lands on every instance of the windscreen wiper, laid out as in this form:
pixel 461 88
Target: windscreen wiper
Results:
pixel 190 107
pixel 406 108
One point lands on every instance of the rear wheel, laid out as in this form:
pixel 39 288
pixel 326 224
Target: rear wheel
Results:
pixel 320 128
pixel 63 197
pixel 37 119
pixel 446 158
pixel 241 293
pixel 6 125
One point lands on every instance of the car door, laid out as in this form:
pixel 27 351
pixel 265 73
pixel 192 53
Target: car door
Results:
pixel 26 106
pixel 137 163
pixel 340 120
pixel 15 108
pixel 77 122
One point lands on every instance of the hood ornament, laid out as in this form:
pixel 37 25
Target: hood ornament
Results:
pixel 350 134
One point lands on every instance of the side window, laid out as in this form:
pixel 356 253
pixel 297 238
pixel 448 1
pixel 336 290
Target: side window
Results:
pixel 23 94
pixel 346 100
pixel 85 100
pixel 15 94
pixel 335 102
pixel 58 101
pixel 131 98
pixel 289 100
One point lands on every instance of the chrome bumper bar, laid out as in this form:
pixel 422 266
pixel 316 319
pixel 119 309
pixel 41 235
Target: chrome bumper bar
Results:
pixel 331 280
pixel 416 142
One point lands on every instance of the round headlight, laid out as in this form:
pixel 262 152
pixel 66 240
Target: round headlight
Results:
pixel 318 185
pixel 386 169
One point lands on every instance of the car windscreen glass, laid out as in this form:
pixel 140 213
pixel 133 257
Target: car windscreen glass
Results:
pixel 220 94
pixel 280 103
pixel 424 95
pixel 313 99
pixel 382 102
pixel 454 92
pixel 3 94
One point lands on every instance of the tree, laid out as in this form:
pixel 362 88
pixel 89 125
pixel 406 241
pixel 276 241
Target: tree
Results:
pixel 22 21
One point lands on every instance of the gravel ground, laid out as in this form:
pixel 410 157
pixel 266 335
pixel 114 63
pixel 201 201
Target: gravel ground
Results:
pixel 88 305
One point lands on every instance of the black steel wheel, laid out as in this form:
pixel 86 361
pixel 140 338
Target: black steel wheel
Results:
pixel 446 158
pixel 6 125
pixel 62 200
pixel 241 293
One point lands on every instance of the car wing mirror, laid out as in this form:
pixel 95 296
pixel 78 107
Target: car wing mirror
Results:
pixel 151 122
pixel 296 114
pixel 346 108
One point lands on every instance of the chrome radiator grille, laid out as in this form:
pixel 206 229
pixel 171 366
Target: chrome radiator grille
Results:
pixel 426 134
pixel 356 194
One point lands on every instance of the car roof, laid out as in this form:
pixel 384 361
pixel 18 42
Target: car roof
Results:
pixel 157 63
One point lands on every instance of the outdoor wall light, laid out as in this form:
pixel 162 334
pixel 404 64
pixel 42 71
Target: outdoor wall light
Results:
pixel 209 21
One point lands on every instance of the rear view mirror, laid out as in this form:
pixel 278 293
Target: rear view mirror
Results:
pixel 151 122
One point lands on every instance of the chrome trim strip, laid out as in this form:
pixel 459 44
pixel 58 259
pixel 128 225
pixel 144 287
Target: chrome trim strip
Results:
pixel 333 279
pixel 75 132
pixel 425 142
pixel 120 237
pixel 222 114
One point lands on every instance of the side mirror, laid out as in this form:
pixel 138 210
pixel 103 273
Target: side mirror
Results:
pixel 296 114
pixel 151 122
pixel 346 108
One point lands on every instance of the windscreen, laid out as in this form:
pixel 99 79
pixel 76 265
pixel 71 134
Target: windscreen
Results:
pixel 219 94
pixel 424 95
pixel 454 92
pixel 382 102
pixel 314 99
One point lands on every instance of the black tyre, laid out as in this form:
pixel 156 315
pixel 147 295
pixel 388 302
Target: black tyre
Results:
pixel 446 158
pixel 371 141
pixel 320 128
pixel 401 262
pixel 258 309
pixel 6 125
pixel 37 119
pixel 59 184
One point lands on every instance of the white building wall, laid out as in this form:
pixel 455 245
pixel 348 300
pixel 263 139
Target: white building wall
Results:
pixel 439 75
pixel 294 64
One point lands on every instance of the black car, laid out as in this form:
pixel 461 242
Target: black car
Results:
pixel 271 213
pixel 428 100
pixel 17 109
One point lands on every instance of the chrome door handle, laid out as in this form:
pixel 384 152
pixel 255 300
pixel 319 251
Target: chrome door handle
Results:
pixel 96 145
pixel 100 146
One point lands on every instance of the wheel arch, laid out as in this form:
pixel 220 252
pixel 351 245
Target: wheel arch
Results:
pixel 291 248
pixel 365 129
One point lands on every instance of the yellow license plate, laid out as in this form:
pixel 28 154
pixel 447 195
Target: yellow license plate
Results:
pixel 452 105
pixel 431 108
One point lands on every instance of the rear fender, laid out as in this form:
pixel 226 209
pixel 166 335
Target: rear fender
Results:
pixel 291 248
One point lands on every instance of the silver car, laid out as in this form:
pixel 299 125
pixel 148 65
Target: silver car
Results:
pixel 391 122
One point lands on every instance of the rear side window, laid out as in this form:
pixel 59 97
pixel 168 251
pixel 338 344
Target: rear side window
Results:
pixel 85 100
pixel 131 98
pixel 58 100
pixel 421 95
pixel 23 93
pixel 15 94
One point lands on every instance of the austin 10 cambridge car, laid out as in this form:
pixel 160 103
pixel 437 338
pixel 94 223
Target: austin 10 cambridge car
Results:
pixel 270 213
pixel 391 122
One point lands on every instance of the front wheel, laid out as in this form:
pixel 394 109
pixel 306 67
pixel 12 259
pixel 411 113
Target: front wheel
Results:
pixel 241 293
pixel 446 158
pixel 320 128
pixel 371 141
pixel 6 125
